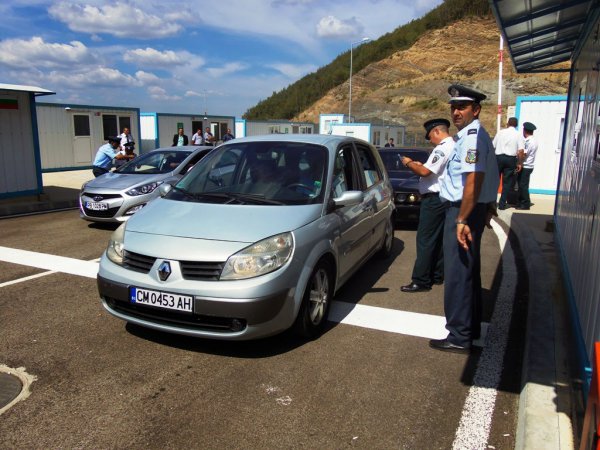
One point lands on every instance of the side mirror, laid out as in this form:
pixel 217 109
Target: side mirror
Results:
pixel 349 198
pixel 164 189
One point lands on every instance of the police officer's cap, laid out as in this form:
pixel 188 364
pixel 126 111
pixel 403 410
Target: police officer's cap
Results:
pixel 114 139
pixel 431 124
pixel 460 93
pixel 529 126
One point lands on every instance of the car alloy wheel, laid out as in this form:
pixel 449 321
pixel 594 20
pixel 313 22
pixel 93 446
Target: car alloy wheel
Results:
pixel 388 240
pixel 316 301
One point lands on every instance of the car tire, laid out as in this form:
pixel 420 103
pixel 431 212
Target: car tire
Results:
pixel 388 240
pixel 316 301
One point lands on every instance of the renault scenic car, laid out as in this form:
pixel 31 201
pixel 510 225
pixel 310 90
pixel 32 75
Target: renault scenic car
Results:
pixel 255 239
pixel 116 196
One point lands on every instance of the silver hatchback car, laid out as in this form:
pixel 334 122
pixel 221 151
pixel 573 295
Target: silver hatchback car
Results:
pixel 116 196
pixel 255 239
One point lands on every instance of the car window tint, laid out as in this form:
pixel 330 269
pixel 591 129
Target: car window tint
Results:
pixel 368 166
pixel 155 162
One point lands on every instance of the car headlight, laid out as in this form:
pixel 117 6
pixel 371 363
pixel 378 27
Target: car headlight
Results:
pixel 116 245
pixel 260 258
pixel 145 189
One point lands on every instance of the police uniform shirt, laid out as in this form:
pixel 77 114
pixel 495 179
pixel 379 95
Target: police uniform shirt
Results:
pixel 104 157
pixel 508 141
pixel 531 147
pixel 473 152
pixel 436 163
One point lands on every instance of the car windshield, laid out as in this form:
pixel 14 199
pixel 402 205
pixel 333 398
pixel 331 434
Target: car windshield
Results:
pixel 392 160
pixel 265 173
pixel 162 161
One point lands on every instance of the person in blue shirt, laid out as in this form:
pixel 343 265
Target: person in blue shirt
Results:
pixel 105 155
pixel 469 186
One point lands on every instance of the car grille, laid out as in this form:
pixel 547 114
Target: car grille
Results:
pixel 104 196
pixel 201 271
pixel 110 212
pixel 174 318
pixel 137 262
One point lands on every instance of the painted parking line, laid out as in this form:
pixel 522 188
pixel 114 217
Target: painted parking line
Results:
pixel 88 269
pixel 476 420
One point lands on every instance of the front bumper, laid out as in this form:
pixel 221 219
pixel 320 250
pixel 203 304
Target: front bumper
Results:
pixel 217 318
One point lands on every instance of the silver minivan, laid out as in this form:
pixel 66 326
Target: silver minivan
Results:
pixel 255 239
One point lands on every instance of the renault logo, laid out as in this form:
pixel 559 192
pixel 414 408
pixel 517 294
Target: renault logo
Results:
pixel 164 270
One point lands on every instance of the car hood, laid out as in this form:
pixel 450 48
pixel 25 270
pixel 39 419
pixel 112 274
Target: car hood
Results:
pixel 119 181
pixel 235 223
pixel 404 180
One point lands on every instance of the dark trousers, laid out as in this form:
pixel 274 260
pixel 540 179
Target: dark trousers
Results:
pixel 506 167
pixel 523 179
pixel 462 284
pixel 429 265
pixel 97 171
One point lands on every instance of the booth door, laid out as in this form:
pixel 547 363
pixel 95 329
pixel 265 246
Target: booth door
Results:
pixel 82 140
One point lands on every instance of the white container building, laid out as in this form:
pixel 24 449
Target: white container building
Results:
pixel 377 135
pixel 245 127
pixel 547 113
pixel 20 163
pixel 70 134
pixel 158 129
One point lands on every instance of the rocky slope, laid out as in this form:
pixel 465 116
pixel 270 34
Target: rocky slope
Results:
pixel 410 86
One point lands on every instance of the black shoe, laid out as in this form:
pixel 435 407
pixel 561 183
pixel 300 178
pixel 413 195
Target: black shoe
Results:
pixel 415 287
pixel 502 207
pixel 446 346
pixel 523 208
pixel 438 282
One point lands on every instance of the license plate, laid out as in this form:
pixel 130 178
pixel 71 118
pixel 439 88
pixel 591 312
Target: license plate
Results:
pixel 161 299
pixel 96 206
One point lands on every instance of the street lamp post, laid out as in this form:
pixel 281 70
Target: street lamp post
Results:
pixel 365 39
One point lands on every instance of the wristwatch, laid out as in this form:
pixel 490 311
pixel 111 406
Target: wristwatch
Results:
pixel 461 222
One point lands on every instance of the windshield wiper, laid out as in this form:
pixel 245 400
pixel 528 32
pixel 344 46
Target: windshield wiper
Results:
pixel 240 197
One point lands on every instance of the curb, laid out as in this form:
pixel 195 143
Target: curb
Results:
pixel 540 425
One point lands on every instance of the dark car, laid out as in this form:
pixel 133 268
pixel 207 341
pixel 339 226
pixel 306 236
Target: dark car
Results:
pixel 404 181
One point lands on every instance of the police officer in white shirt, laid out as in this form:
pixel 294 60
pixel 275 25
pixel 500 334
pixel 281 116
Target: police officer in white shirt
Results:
pixel 469 187
pixel 509 145
pixel 429 265
pixel 531 146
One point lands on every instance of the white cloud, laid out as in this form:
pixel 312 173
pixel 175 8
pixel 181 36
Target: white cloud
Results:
pixel 227 69
pixel 193 94
pixel 118 19
pixel 92 77
pixel 294 71
pixel 37 53
pixel 158 93
pixel 150 57
pixel 331 27
pixel 147 78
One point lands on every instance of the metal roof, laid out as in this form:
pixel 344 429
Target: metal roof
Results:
pixel 17 87
pixel 541 33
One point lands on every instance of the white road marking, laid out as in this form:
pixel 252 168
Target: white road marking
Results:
pixel 31 277
pixel 55 263
pixel 476 420
pixel 392 320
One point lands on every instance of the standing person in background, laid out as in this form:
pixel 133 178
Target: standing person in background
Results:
pixel 180 139
pixel 105 155
pixel 127 146
pixel 228 136
pixel 197 137
pixel 509 145
pixel 209 139
pixel 429 265
pixel 531 147
pixel 390 143
pixel 469 186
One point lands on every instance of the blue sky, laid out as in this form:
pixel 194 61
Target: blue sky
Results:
pixel 187 57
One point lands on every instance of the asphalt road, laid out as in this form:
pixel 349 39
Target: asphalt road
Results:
pixel 101 383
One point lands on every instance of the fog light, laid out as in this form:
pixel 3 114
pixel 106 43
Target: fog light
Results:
pixel 133 210
pixel 237 325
